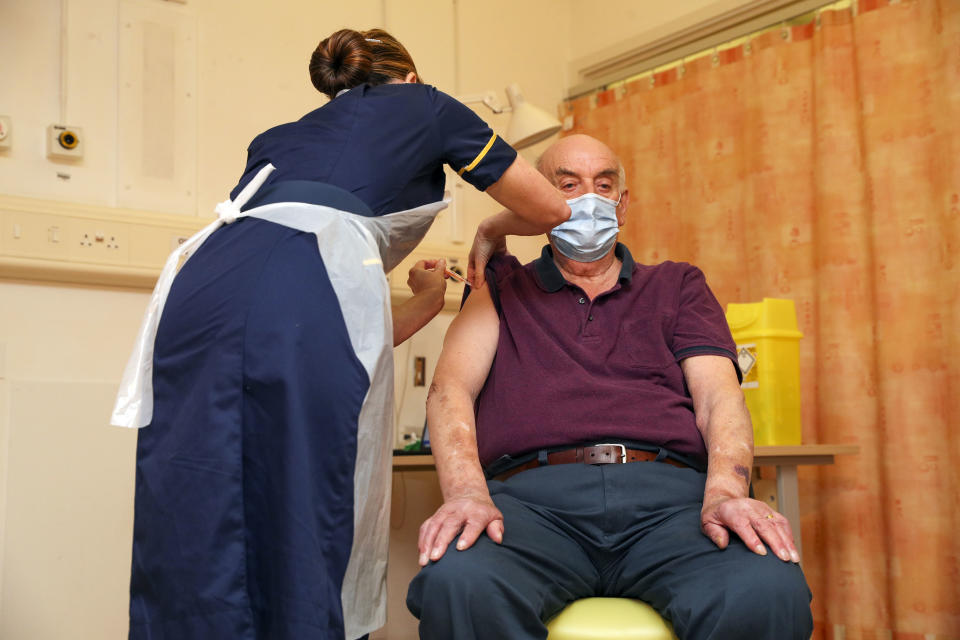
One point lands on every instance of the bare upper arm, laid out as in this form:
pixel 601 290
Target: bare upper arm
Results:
pixel 469 345
pixel 710 379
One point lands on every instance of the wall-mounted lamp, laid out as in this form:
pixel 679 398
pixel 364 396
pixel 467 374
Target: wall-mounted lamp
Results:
pixel 528 124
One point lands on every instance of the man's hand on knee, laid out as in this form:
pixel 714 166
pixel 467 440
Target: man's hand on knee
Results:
pixel 754 521
pixel 471 515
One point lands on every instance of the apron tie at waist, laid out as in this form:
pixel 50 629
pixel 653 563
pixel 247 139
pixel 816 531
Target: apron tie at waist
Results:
pixel 372 243
pixel 227 211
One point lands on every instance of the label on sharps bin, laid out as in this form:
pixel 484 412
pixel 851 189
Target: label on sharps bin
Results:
pixel 747 359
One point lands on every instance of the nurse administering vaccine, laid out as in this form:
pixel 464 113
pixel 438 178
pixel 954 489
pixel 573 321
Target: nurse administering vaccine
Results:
pixel 262 376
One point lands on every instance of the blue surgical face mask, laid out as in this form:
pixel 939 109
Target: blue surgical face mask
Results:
pixel 591 230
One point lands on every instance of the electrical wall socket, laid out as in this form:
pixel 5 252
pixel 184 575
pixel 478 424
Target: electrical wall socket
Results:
pixel 52 241
pixel 64 142
pixel 5 130
pixel 98 241
pixel 65 238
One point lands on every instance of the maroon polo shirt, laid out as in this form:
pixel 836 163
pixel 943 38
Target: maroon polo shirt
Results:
pixel 570 370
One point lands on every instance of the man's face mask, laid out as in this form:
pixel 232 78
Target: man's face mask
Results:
pixel 591 230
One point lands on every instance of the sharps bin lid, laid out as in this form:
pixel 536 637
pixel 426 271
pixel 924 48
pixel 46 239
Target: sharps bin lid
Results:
pixel 774 317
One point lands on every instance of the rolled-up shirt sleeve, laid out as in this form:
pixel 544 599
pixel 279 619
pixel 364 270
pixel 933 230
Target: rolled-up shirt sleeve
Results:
pixel 701 327
pixel 469 145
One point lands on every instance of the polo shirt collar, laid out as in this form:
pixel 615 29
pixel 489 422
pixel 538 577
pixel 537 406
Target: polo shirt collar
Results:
pixel 551 280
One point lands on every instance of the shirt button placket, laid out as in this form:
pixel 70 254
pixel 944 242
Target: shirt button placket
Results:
pixel 582 299
pixel 587 325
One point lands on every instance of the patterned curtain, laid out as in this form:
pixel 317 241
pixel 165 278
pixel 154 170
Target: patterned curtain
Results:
pixel 822 163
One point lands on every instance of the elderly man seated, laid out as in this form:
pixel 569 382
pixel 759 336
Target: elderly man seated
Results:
pixel 586 416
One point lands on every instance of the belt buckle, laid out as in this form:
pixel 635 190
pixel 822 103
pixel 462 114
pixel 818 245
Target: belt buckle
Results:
pixel 623 449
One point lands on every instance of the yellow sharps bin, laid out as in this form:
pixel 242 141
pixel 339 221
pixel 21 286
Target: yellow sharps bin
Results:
pixel 768 350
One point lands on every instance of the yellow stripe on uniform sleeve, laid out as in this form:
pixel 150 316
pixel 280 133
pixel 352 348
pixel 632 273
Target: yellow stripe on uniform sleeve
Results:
pixel 479 157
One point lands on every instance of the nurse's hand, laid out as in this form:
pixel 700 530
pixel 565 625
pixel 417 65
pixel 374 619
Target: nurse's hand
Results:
pixel 426 276
pixel 486 244
pixel 429 285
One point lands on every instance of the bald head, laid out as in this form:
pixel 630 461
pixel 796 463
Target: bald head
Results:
pixel 582 157
pixel 579 164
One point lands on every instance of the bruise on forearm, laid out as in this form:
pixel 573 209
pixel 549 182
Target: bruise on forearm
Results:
pixel 743 472
pixel 729 439
pixel 728 474
pixel 724 422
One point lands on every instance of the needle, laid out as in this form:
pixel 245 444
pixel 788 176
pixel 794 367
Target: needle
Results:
pixel 456 276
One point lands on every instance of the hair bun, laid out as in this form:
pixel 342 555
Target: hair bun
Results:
pixel 341 61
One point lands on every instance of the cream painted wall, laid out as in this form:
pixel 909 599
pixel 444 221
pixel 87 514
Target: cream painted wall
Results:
pixel 65 477
pixel 628 20
pixel 253 75
pixel 30 95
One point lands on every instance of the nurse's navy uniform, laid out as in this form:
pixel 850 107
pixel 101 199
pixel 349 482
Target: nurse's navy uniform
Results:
pixel 264 375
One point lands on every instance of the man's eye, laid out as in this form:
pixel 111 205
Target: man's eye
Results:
pixel 567 186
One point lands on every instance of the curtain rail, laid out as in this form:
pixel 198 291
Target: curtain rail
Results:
pixel 630 59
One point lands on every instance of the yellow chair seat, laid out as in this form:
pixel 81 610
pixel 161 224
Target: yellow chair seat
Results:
pixel 609 619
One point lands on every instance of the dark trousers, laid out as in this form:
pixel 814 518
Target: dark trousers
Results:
pixel 574 531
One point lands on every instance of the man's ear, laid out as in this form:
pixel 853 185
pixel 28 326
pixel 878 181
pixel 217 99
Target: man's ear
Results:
pixel 622 207
pixel 410 78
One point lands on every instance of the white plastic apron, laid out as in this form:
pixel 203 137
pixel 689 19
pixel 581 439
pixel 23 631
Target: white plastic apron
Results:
pixel 357 252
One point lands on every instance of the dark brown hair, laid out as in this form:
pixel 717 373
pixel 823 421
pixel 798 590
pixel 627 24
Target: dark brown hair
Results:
pixel 348 58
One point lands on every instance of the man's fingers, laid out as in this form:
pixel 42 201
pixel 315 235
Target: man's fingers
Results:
pixel 786 532
pixel 467 518
pixel 775 531
pixel 755 523
pixel 744 528
pixel 435 535
pixel 495 530
pixel 471 531
pixel 428 535
pixel 448 531
pixel 718 534
pixel 423 541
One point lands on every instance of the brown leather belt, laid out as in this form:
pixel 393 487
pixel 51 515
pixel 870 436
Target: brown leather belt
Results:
pixel 595 454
